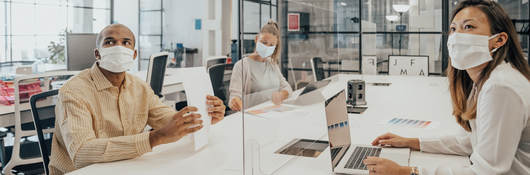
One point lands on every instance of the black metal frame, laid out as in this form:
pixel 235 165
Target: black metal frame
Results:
pixel 360 33
pixel 445 35
pixel 38 128
pixel 241 10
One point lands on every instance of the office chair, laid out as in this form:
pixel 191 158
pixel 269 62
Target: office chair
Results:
pixel 157 71
pixel 318 69
pixel 216 76
pixel 214 61
pixel 40 123
pixel 19 158
pixel 220 87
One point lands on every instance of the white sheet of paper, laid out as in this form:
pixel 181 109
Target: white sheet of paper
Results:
pixel 197 86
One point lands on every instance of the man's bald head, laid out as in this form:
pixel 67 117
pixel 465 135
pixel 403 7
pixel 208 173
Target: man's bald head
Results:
pixel 116 32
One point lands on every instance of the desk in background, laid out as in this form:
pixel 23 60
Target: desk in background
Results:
pixel 172 86
pixel 425 98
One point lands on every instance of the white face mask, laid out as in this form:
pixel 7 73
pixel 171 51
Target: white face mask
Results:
pixel 469 50
pixel 116 59
pixel 264 51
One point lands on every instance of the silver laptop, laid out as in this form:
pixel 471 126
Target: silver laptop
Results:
pixel 347 158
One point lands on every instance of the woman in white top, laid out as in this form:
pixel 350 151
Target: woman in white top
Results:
pixel 490 91
pixel 257 77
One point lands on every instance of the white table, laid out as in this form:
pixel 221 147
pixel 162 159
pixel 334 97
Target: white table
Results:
pixel 408 97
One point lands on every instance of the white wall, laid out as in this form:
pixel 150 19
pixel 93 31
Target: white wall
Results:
pixel 179 22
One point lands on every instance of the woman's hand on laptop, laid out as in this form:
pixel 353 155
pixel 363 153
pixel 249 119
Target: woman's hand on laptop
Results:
pixel 378 165
pixel 393 140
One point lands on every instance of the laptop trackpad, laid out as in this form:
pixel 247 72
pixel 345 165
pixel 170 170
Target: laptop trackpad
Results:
pixel 398 155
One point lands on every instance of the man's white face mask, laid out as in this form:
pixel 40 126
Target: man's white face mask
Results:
pixel 469 50
pixel 116 59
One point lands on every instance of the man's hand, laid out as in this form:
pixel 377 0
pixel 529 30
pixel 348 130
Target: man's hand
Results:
pixel 236 104
pixel 183 123
pixel 216 108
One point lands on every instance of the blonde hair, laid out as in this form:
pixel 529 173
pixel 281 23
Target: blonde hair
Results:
pixel 272 28
pixel 463 96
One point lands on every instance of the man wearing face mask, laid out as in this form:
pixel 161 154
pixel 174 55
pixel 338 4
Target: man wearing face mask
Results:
pixel 101 113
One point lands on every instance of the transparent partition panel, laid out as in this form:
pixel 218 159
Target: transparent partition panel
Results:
pixel 283 107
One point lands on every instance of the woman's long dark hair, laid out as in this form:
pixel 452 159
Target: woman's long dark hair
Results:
pixel 460 84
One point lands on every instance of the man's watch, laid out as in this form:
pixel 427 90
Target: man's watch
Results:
pixel 414 171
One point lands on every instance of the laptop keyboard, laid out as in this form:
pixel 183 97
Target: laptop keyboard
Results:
pixel 334 152
pixel 359 154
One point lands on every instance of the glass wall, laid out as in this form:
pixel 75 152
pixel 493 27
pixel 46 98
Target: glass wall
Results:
pixel 256 13
pixel 150 40
pixel 34 30
pixel 388 28
pixel 343 33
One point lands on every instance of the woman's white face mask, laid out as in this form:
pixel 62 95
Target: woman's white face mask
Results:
pixel 469 50
pixel 116 59
pixel 264 51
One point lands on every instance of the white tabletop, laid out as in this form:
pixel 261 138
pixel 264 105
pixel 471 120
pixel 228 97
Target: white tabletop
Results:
pixel 406 97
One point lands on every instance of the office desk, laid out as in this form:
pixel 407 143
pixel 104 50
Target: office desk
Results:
pixel 173 79
pixel 410 97
pixel 172 84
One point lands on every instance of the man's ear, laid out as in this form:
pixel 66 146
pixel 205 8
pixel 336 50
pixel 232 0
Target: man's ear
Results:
pixel 97 55
pixel 135 54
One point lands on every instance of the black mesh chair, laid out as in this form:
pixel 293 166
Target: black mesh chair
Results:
pixel 219 85
pixel 317 66
pixel 42 120
pixel 318 69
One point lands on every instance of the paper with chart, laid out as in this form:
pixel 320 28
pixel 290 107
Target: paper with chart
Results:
pixel 409 123
pixel 197 86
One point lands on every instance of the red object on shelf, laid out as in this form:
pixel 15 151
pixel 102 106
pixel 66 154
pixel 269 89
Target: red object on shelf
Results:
pixel 293 22
pixel 7 94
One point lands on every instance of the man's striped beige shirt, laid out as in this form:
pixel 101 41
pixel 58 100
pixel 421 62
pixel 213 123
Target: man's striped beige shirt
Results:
pixel 98 122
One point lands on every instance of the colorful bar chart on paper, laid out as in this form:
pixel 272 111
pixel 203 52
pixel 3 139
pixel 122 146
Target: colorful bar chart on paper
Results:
pixel 412 123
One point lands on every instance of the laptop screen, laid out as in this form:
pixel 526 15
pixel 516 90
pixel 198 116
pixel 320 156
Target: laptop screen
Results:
pixel 314 86
pixel 338 126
